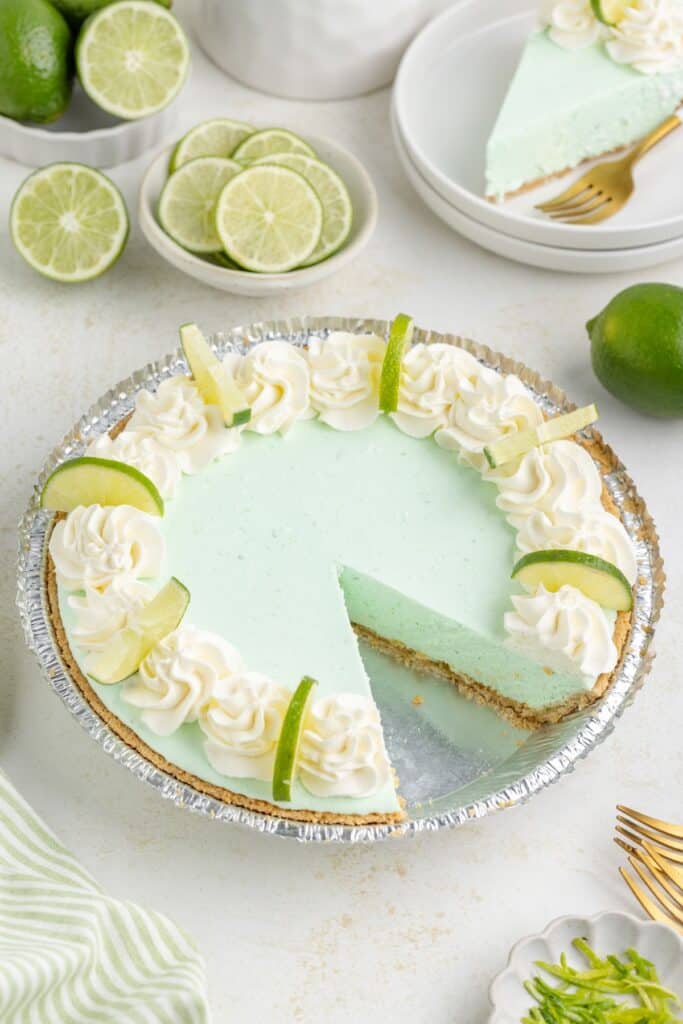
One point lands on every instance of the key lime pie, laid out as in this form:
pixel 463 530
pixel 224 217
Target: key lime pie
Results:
pixel 596 76
pixel 215 558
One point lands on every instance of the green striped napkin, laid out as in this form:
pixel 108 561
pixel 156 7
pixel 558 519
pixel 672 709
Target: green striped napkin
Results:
pixel 69 954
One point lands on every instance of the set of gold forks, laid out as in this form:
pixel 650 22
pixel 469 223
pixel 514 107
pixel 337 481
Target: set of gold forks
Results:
pixel 655 852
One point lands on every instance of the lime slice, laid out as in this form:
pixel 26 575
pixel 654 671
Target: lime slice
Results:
pixel 333 194
pixel 267 142
pixel 269 219
pixel 127 649
pixel 593 576
pixel 69 222
pixel 89 480
pixel 187 207
pixel 610 12
pixel 290 738
pixel 400 336
pixel 217 137
pixel 511 447
pixel 132 58
pixel 215 384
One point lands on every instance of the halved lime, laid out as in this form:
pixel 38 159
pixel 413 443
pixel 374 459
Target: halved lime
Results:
pixel 215 384
pixel 269 141
pixel 128 648
pixel 69 222
pixel 287 751
pixel 400 336
pixel 514 445
pixel 89 480
pixel 593 576
pixel 610 12
pixel 132 58
pixel 187 206
pixel 269 219
pixel 217 137
pixel 333 194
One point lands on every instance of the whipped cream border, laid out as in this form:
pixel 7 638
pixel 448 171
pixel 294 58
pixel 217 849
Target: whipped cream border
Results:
pixel 448 393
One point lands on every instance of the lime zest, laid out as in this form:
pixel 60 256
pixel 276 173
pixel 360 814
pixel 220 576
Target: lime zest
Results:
pixel 91 480
pixel 598 579
pixel 400 337
pixel 214 383
pixel 286 754
pixel 555 429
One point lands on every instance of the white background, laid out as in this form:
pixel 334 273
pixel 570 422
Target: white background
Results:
pixel 406 930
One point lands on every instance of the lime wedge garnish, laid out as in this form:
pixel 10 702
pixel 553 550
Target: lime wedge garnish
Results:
pixel 593 576
pixel 187 206
pixel 269 219
pixel 89 480
pixel 610 12
pixel 217 137
pixel 215 384
pixel 333 194
pixel 514 445
pixel 69 222
pixel 125 652
pixel 290 739
pixel 400 336
pixel 132 58
pixel 267 142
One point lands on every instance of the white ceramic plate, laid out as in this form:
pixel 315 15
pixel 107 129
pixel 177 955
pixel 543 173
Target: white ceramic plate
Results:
pixel 448 91
pixel 85 134
pixel 547 257
pixel 242 282
pixel 606 933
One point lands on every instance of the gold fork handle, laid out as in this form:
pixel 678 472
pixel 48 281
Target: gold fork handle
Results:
pixel 664 129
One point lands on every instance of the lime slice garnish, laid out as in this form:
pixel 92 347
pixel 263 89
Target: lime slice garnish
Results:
pixel 187 207
pixel 132 58
pixel 287 751
pixel 217 137
pixel 69 222
pixel 215 384
pixel 125 652
pixel 610 12
pixel 593 576
pixel 269 219
pixel 89 480
pixel 400 336
pixel 269 141
pixel 555 429
pixel 333 194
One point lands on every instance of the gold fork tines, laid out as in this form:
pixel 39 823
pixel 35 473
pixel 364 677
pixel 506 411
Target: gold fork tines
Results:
pixel 655 849
pixel 605 188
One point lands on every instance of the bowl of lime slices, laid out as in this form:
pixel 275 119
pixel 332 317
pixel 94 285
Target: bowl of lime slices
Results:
pixel 256 211
pixel 75 81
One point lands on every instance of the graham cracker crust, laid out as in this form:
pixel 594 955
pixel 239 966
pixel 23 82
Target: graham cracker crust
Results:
pixel 529 186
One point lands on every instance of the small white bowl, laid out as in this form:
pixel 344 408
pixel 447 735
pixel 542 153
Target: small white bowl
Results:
pixel 85 134
pixel 243 282
pixel 610 932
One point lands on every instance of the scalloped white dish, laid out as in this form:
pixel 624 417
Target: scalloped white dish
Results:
pixel 609 932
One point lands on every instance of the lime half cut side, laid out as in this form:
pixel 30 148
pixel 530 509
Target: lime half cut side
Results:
pixel 286 754
pixel 187 206
pixel 269 141
pixel 132 58
pixel 400 336
pixel 598 579
pixel 89 480
pixel 515 445
pixel 269 219
pixel 69 222
pixel 217 137
pixel 125 652
pixel 215 384
pixel 333 194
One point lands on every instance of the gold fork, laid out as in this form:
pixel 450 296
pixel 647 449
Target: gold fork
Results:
pixel 656 847
pixel 604 189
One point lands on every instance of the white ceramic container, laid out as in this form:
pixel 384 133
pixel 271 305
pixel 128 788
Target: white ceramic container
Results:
pixel 311 49
pixel 606 933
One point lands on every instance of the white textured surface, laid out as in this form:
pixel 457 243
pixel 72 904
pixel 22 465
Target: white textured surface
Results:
pixel 402 931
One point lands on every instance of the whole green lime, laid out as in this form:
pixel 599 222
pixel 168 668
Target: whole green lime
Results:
pixel 637 348
pixel 35 60
pixel 76 11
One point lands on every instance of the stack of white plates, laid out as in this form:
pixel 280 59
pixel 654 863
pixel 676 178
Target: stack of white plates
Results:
pixel 449 89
